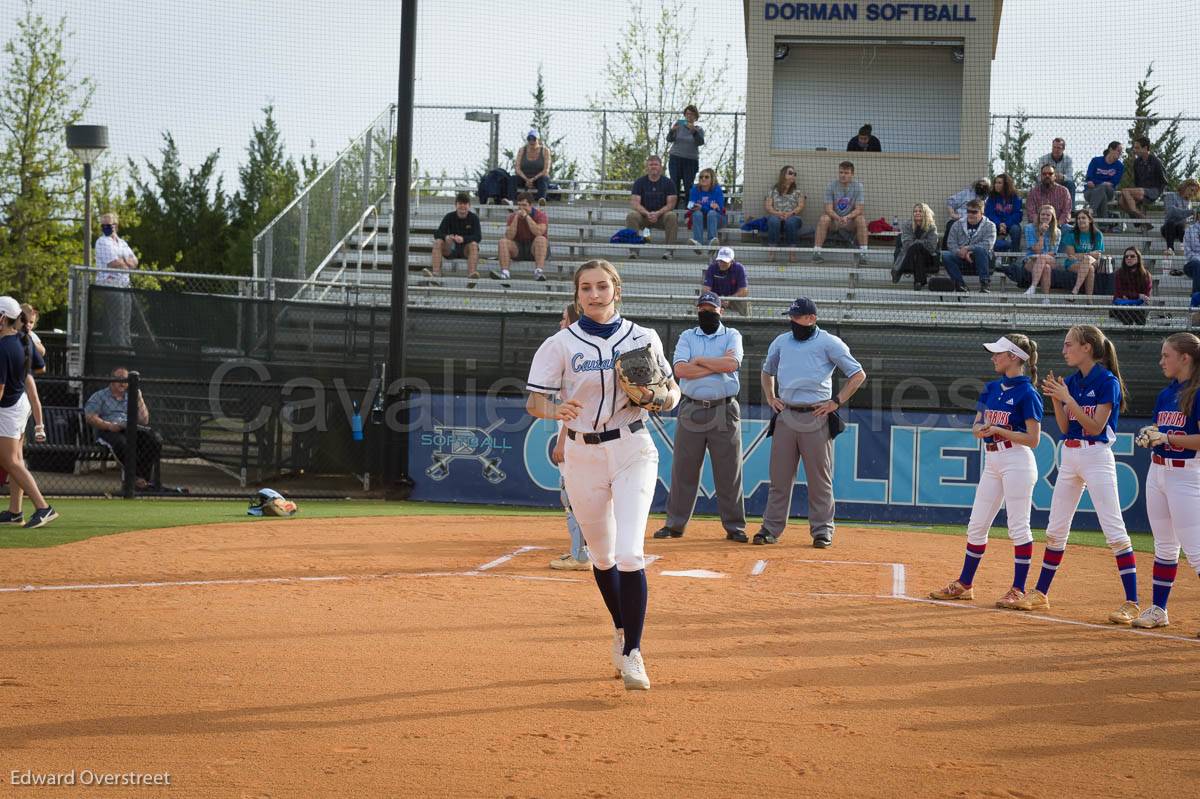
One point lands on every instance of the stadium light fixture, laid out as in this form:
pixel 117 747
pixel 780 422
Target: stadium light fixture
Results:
pixel 493 119
pixel 88 142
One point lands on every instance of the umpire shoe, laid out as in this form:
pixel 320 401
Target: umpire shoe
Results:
pixel 667 532
pixel 763 537
pixel 737 535
pixel 823 540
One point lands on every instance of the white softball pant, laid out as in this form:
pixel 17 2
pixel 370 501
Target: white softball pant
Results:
pixel 625 470
pixel 1095 468
pixel 1173 506
pixel 1008 478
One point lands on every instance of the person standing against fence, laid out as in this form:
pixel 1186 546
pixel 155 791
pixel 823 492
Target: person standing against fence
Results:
pixel 707 359
pixel 1008 420
pixel 106 411
pixel 577 559
pixel 115 258
pixel 797 382
pixel 683 159
pixel 18 359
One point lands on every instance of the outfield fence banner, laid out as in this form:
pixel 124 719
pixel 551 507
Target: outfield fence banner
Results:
pixel 888 466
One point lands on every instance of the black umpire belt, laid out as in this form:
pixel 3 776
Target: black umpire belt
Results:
pixel 806 408
pixel 710 403
pixel 607 435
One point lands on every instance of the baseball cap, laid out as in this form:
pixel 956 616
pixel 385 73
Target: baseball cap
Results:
pixel 802 306
pixel 1002 344
pixel 10 308
pixel 725 254
pixel 709 298
pixel 533 134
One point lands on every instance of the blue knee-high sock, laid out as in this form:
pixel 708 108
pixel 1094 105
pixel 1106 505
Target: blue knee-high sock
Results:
pixel 1127 568
pixel 1022 555
pixel 1164 578
pixel 1051 559
pixel 633 607
pixel 610 588
pixel 971 563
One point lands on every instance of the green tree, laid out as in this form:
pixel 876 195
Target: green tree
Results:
pixel 1177 159
pixel 269 181
pixel 1013 154
pixel 41 186
pixel 182 220
pixel 656 70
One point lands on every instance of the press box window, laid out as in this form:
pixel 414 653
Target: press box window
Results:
pixel 910 92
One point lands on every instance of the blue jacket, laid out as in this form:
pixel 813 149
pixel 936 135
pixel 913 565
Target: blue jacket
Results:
pixel 1005 211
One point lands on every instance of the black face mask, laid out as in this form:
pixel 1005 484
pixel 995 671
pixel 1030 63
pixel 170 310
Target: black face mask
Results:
pixel 709 321
pixel 803 332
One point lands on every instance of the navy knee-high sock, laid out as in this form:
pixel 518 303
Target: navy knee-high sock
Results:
pixel 610 589
pixel 633 607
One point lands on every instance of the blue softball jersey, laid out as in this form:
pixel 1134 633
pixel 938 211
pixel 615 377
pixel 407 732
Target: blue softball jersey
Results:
pixel 1010 403
pixel 1099 387
pixel 1170 419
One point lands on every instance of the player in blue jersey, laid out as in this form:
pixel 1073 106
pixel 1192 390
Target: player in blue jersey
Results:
pixel 1009 422
pixel 1087 406
pixel 1173 483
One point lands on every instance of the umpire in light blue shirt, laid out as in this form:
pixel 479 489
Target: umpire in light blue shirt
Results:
pixel 797 382
pixel 707 359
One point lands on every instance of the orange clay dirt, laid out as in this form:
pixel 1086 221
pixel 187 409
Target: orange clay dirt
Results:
pixel 798 681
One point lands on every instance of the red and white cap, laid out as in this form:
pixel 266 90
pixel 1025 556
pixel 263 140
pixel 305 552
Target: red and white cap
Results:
pixel 1002 344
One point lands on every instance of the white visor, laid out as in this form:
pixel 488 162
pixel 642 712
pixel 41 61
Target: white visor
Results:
pixel 1002 344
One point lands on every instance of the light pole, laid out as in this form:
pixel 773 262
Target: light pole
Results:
pixel 87 142
pixel 493 135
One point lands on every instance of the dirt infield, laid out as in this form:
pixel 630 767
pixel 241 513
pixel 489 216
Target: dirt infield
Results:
pixel 413 671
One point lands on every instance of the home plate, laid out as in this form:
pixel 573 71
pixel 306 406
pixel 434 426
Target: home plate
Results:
pixel 703 574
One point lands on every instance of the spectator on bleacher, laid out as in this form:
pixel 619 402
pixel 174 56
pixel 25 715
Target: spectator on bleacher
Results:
pixel 1149 181
pixel 726 277
pixel 525 239
pixel 1003 207
pixel 783 207
pixel 1064 171
pixel 1177 212
pixel 532 167
pixel 706 202
pixel 1041 245
pixel 115 258
pixel 1047 192
pixel 1104 172
pixel 1083 245
pixel 917 247
pixel 1132 286
pixel 956 204
pixel 31 320
pixel 106 411
pixel 970 241
pixel 864 142
pixel 653 200
pixel 1191 254
pixel 686 139
pixel 458 236
pixel 844 203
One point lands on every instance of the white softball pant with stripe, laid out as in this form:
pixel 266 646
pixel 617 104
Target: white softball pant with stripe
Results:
pixel 1173 507
pixel 1095 468
pixel 1008 478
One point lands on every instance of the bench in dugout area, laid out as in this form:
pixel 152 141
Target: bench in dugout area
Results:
pixel 70 446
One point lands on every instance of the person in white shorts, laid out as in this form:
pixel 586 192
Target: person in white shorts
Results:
pixel 611 463
pixel 17 362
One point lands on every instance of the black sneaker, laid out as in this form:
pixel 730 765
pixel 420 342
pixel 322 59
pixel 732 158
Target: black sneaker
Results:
pixel 984 289
pixel 8 517
pixel 737 536
pixel 763 537
pixel 667 532
pixel 822 540
pixel 41 517
pixel 896 276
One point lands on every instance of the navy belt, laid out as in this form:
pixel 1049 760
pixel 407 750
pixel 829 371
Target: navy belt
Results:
pixel 710 403
pixel 607 435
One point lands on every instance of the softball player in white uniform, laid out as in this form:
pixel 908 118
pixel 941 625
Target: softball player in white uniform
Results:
pixel 1173 482
pixel 1087 406
pixel 1009 421
pixel 611 463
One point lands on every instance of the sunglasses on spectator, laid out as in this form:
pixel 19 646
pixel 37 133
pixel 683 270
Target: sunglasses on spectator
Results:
pixel 789 173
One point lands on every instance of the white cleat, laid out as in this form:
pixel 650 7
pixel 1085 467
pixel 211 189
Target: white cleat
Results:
pixel 634 672
pixel 1151 617
pixel 618 651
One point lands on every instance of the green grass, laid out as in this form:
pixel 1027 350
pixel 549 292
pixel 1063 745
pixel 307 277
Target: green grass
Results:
pixel 87 518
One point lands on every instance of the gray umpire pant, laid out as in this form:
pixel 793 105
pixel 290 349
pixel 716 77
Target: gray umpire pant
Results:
pixel 800 434
pixel 717 430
